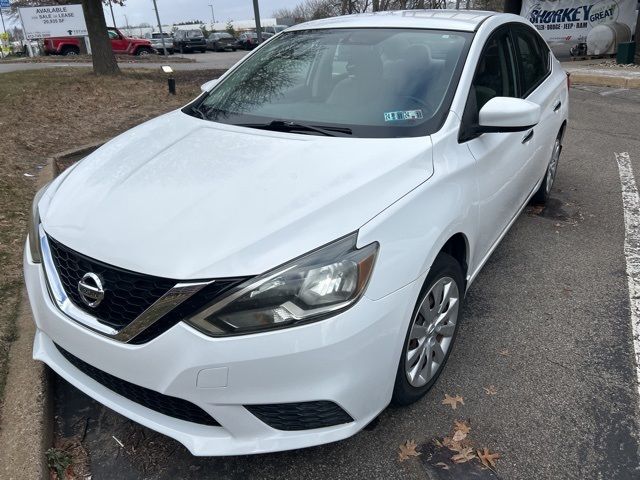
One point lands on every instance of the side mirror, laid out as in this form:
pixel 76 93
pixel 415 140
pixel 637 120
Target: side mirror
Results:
pixel 205 87
pixel 506 114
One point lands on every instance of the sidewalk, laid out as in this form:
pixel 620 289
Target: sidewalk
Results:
pixel 603 73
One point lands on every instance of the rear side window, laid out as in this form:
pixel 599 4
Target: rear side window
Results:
pixel 533 59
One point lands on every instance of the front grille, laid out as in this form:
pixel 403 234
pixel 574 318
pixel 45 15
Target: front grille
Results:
pixel 164 404
pixel 127 294
pixel 300 416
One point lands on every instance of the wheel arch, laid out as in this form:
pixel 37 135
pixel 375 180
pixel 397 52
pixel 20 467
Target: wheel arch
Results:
pixel 457 246
pixel 563 129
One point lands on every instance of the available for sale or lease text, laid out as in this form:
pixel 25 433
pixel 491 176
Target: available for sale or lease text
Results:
pixel 54 21
pixel 582 27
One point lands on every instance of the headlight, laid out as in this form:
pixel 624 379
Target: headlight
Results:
pixel 312 287
pixel 34 227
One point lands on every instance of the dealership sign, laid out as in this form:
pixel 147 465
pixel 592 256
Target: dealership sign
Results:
pixel 54 21
pixel 569 22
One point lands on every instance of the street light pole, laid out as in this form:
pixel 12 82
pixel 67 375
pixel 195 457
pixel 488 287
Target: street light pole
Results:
pixel 164 46
pixel 113 18
pixel 213 18
pixel 256 14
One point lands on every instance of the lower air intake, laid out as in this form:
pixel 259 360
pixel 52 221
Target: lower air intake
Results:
pixel 300 416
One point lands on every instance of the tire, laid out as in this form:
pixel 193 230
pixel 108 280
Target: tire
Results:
pixel 444 288
pixel 70 51
pixel 543 193
pixel 143 52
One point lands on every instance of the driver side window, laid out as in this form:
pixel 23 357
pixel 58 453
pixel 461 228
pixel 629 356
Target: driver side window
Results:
pixel 496 74
pixel 112 35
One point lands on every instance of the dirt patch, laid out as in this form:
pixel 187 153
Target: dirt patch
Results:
pixel 44 112
pixel 87 59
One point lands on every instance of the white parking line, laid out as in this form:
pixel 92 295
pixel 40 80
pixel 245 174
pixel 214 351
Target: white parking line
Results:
pixel 611 92
pixel 631 206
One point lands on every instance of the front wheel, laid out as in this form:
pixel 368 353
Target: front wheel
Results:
pixel 432 331
pixel 143 52
pixel 542 195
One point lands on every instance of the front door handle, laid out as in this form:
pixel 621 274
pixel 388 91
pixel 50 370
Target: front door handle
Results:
pixel 528 136
pixel 557 107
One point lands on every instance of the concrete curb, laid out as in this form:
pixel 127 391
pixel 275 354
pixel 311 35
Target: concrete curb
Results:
pixel 65 159
pixel 603 78
pixel 27 411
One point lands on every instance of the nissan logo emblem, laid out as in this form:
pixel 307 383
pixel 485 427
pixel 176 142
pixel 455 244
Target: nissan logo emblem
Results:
pixel 91 290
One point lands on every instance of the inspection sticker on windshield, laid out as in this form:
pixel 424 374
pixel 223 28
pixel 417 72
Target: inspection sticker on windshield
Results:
pixel 403 115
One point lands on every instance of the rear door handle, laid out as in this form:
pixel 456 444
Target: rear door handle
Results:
pixel 528 136
pixel 557 107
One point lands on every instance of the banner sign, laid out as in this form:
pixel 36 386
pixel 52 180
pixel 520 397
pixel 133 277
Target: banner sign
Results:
pixel 567 25
pixel 54 21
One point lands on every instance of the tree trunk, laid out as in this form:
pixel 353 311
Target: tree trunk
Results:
pixel 104 61
pixel 376 5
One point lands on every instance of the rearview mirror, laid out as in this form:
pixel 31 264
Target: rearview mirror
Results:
pixel 205 87
pixel 506 114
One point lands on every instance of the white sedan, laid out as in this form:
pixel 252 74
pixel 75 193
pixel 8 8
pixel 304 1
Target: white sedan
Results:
pixel 270 266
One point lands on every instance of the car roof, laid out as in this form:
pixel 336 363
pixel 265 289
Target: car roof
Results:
pixel 464 20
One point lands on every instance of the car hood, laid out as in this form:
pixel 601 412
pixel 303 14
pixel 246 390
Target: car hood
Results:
pixel 185 198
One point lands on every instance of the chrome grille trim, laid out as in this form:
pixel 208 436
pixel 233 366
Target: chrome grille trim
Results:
pixel 179 293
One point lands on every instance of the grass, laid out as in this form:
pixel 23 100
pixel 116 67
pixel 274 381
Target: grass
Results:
pixel 44 112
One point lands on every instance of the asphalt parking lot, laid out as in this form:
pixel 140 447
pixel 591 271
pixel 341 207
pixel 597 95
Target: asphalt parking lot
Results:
pixel 547 330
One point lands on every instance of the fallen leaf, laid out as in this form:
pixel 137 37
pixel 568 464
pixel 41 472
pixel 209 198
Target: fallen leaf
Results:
pixel 464 455
pixel 461 426
pixel 442 465
pixel 504 353
pixel 458 436
pixel 407 450
pixel 487 458
pixel 490 390
pixel 453 401
pixel 451 445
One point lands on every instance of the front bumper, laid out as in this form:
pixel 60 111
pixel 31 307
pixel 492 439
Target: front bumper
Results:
pixel 350 359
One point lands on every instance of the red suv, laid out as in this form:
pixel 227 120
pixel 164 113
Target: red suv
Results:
pixel 119 43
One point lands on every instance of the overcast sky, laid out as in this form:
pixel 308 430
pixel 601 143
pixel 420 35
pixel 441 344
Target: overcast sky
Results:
pixel 171 11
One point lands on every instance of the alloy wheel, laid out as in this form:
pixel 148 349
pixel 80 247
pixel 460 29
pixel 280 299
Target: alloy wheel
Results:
pixel 432 330
pixel 553 165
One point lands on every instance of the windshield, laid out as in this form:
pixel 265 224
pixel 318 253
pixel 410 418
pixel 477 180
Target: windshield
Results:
pixel 194 33
pixel 363 82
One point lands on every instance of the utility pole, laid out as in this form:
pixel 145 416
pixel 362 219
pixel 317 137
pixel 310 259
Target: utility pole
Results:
pixel 256 14
pixel 113 18
pixel 4 30
pixel 126 20
pixel 164 46
pixel 213 18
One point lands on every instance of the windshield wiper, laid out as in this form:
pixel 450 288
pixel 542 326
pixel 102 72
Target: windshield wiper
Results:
pixel 199 111
pixel 286 126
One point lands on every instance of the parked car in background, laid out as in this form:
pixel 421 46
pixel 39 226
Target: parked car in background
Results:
pixel 249 40
pixel 120 44
pixel 156 42
pixel 270 266
pixel 189 41
pixel 220 41
pixel 273 29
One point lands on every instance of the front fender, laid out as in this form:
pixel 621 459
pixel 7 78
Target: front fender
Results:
pixel 413 230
